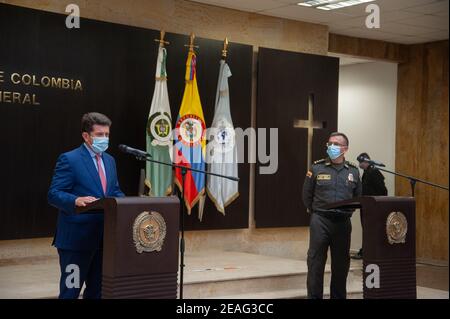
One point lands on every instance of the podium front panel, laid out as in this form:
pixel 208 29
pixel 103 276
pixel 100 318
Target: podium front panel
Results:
pixel 389 243
pixel 141 244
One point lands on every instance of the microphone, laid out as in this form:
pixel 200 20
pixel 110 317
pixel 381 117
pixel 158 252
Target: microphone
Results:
pixel 371 162
pixel 133 151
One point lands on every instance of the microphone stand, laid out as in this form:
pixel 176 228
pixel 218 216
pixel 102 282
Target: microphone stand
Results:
pixel 412 180
pixel 184 170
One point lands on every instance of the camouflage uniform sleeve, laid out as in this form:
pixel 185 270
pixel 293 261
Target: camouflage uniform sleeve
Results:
pixel 358 189
pixel 308 189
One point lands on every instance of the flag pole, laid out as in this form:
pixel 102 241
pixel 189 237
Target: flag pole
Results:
pixel 182 202
pixel 191 45
pixel 184 169
pixel 182 245
pixel 161 40
pixel 225 49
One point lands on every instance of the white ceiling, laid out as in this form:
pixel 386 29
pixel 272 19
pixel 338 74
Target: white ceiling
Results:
pixel 402 21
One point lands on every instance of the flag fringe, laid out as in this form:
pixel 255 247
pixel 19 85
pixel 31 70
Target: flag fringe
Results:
pixel 228 202
pixel 196 199
pixel 168 191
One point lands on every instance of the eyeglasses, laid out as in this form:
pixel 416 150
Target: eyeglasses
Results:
pixel 335 144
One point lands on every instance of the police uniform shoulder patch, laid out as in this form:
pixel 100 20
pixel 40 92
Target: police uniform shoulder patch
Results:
pixel 320 161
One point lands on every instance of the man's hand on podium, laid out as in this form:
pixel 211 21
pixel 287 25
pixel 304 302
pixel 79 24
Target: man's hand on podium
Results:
pixel 83 201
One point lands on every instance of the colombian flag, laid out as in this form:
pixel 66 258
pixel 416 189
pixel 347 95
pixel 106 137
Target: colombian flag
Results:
pixel 190 144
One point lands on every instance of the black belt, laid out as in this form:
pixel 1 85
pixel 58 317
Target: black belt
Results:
pixel 334 216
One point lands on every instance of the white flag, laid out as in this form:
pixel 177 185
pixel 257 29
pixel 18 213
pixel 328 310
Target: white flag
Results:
pixel 222 150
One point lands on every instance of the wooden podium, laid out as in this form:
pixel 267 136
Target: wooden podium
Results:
pixel 389 242
pixel 140 246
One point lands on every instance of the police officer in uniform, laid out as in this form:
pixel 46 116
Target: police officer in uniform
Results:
pixel 372 185
pixel 330 180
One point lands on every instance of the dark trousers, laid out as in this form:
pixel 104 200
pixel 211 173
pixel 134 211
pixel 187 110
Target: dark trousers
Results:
pixel 361 216
pixel 334 233
pixel 89 264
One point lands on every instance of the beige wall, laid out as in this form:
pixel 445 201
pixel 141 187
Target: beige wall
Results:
pixel 367 113
pixel 184 17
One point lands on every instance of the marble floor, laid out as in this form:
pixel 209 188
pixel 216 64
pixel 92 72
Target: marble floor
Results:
pixel 29 269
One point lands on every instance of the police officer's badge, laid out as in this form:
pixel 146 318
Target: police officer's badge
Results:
pixel 149 232
pixel 159 128
pixel 350 177
pixel 396 228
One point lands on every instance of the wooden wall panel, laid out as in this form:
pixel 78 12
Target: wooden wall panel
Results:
pixel 373 49
pixel 116 64
pixel 285 81
pixel 422 139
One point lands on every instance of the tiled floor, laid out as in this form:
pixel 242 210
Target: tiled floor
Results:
pixel 29 269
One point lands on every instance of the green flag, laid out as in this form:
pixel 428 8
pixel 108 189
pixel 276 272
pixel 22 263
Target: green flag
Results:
pixel 159 134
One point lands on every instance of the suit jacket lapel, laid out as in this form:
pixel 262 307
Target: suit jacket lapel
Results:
pixel 87 159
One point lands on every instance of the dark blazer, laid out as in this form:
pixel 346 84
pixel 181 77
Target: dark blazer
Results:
pixel 75 176
pixel 373 183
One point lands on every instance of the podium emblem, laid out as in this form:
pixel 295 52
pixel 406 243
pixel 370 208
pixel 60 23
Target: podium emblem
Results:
pixel 149 232
pixel 396 228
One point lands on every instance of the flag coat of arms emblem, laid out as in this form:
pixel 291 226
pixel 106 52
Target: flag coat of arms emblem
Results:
pixel 222 150
pixel 190 142
pixel 159 178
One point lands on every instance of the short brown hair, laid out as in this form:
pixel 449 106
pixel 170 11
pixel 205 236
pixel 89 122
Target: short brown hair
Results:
pixel 90 119
pixel 340 134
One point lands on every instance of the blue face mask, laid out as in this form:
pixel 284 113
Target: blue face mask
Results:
pixel 100 144
pixel 334 151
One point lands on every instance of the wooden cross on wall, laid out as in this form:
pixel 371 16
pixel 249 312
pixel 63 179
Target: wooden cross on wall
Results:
pixel 310 124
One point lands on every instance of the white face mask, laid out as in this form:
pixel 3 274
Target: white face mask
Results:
pixel 100 144
pixel 334 151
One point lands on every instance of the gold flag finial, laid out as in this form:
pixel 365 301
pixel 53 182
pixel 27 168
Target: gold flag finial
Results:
pixel 191 43
pixel 225 48
pixel 161 41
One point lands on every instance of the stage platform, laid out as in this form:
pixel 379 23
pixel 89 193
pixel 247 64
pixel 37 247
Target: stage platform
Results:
pixel 29 269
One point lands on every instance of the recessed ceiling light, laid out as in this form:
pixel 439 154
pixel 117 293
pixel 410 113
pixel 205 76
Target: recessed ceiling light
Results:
pixel 331 4
pixel 314 3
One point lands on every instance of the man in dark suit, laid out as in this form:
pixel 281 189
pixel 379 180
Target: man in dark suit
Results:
pixel 372 185
pixel 372 179
pixel 82 176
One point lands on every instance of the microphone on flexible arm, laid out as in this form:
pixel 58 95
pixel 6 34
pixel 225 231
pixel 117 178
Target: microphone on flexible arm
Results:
pixel 133 151
pixel 371 162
